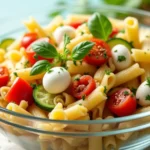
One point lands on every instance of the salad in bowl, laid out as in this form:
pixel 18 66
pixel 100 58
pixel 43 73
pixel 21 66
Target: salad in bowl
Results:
pixel 88 68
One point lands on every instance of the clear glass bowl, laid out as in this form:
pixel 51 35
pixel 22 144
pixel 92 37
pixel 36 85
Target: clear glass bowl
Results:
pixel 26 131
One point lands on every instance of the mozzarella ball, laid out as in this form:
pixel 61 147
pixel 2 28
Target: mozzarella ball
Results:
pixel 121 57
pixel 57 80
pixel 143 94
pixel 61 31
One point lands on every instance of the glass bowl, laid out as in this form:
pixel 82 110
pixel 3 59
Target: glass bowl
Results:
pixel 124 133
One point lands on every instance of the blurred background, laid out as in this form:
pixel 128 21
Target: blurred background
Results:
pixel 15 11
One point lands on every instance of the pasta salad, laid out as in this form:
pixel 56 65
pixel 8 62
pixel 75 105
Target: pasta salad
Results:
pixel 79 68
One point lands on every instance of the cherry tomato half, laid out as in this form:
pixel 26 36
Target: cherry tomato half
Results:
pixel 114 32
pixel 83 86
pixel 99 54
pixel 75 25
pixel 122 102
pixel 4 76
pixel 20 90
pixel 28 38
pixel 31 55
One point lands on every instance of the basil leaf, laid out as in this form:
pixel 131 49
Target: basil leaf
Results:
pixel 45 49
pixel 66 40
pixel 81 50
pixel 40 66
pixel 100 26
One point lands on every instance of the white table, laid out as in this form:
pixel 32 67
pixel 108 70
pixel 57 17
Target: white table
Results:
pixel 5 144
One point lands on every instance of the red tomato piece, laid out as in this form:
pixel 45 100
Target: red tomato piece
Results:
pixel 75 25
pixel 20 90
pixel 114 32
pixel 28 38
pixel 4 76
pixel 31 55
pixel 83 86
pixel 122 102
pixel 99 54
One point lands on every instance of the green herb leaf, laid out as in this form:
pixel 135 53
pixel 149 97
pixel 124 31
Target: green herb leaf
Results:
pixel 108 72
pixel 83 97
pixel 26 64
pixel 66 40
pixel 82 32
pixel 148 81
pixel 33 85
pixel 81 50
pixel 133 90
pixel 76 79
pixel 121 58
pixel 147 97
pixel 126 93
pixel 15 74
pixel 100 26
pixel 40 66
pixel 45 49
pixel 105 89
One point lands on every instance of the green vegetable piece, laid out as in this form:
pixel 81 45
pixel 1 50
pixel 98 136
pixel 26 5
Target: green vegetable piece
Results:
pixel 5 43
pixel 43 99
pixel 115 41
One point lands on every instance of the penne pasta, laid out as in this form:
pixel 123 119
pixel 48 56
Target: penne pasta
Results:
pixel 99 74
pixel 55 23
pixel 128 74
pixel 141 55
pixel 23 104
pixel 36 111
pixel 25 74
pixel 65 99
pixel 83 68
pixel 132 31
pixel 109 81
pixel 77 40
pixel 97 112
pixel 108 126
pixel 109 142
pixel 93 100
pixel 95 142
pixel 33 26
pixel 75 112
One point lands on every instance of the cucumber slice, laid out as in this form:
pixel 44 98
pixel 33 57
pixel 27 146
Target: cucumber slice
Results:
pixel 115 41
pixel 43 99
pixel 6 42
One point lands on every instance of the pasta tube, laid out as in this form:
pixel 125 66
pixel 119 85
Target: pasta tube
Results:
pixel 128 74
pixel 132 31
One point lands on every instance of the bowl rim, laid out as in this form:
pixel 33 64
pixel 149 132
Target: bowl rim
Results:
pixel 82 122
pixel 79 133
pixel 112 120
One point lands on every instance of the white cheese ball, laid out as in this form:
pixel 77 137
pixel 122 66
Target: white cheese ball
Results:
pixel 57 80
pixel 121 57
pixel 61 31
pixel 143 94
